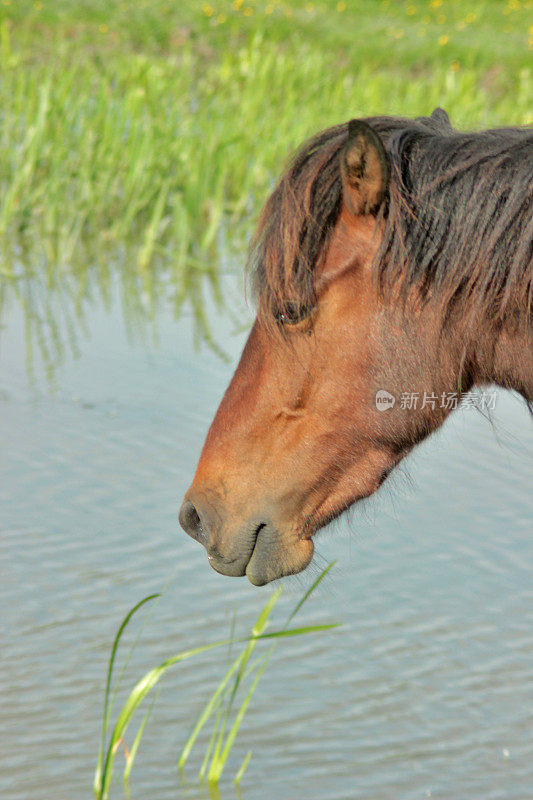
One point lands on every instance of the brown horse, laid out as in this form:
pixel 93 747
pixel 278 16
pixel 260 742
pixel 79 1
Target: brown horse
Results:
pixel 394 259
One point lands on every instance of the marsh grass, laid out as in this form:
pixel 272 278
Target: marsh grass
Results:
pixel 225 707
pixel 159 124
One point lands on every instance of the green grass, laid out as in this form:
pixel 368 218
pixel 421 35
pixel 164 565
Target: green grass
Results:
pixel 241 676
pixel 140 139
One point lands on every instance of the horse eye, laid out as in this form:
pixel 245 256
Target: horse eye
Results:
pixel 292 314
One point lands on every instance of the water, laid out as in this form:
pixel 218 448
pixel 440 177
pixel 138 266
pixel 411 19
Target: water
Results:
pixel 426 691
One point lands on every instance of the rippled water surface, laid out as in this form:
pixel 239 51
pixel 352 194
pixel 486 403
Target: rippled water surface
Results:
pixel 426 691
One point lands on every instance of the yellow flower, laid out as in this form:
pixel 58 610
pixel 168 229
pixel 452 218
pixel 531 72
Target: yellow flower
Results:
pixel 435 3
pixel 444 40
pixel 38 5
pixel 411 10
pixel 237 4
pixel 341 6
pixel 208 11
pixel 221 19
pixel 103 28
pixel 248 11
pixel 454 66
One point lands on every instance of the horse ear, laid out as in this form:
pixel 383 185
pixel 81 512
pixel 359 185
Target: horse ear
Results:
pixel 365 169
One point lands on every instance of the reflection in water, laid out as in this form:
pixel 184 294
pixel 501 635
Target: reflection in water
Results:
pixel 56 300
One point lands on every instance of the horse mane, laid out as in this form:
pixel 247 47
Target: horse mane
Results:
pixel 457 226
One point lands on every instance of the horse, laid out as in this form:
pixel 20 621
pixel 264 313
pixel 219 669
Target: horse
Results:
pixel 393 257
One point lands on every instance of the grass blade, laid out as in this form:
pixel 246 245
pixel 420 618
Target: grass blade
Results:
pixel 201 774
pixel 222 751
pixel 214 702
pixel 217 768
pixel 299 631
pixel 152 230
pixel 97 784
pixel 242 768
pixel 205 714
pixel 133 701
pixel 104 772
pixel 242 660
pixel 135 746
pixel 136 697
pixel 309 592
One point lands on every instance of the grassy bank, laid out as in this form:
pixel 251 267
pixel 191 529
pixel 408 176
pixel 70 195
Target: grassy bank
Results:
pixel 148 134
pixel 155 120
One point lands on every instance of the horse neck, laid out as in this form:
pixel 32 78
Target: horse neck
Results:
pixel 504 356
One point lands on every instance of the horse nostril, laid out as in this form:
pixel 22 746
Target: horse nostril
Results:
pixel 191 522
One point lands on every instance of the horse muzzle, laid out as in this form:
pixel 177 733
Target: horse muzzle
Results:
pixel 256 548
